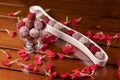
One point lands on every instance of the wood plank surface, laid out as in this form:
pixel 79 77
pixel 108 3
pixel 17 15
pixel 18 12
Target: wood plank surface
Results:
pixel 105 13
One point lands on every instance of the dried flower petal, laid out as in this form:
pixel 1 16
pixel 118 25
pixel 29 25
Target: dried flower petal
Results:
pixel 118 74
pixel 50 39
pixel 93 67
pixel 98 26
pixel 118 64
pixel 23 54
pixel 64 22
pixel 108 39
pixel 102 37
pixel 35 68
pixel 86 70
pixel 68 49
pixel 61 56
pixel 50 53
pixel 11 33
pixel 65 75
pixel 49 67
pixel 89 34
pixel 117 35
pixel 76 73
pixel 6 55
pixel 96 36
pixel 6 64
pixel 75 21
pixel 13 14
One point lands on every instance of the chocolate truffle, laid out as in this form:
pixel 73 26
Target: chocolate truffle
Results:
pixel 99 55
pixel 34 33
pixel 94 49
pixel 51 23
pixel 23 31
pixel 58 26
pixel 83 40
pixel 76 36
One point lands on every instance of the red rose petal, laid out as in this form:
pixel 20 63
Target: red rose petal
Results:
pixel 6 64
pixel 89 34
pixel 65 75
pixel 118 35
pixel 118 74
pixel 49 67
pixel 54 74
pixel 118 64
pixel 75 21
pixel 98 26
pixel 86 70
pixel 65 49
pixel 6 55
pixel 72 49
pixel 44 46
pixel 50 53
pixel 93 67
pixel 50 39
pixel 96 36
pixel 101 37
pixel 61 56
pixel 11 14
pixel 64 22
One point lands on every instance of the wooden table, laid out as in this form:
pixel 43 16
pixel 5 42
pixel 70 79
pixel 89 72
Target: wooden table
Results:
pixel 93 12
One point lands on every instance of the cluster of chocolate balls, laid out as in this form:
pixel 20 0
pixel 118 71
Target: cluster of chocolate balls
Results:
pixel 31 29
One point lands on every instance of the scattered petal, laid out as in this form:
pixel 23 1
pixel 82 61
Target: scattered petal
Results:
pixel 118 64
pixel 61 56
pixel 23 54
pixel 75 21
pixel 98 26
pixel 65 75
pixel 50 39
pixel 89 34
pixel 50 53
pixel 13 14
pixel 6 64
pixel 96 36
pixel 68 49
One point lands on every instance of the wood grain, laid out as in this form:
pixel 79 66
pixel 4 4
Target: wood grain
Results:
pixel 93 12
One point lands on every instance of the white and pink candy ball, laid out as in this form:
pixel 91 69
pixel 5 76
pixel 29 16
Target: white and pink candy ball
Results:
pixel 34 33
pixel 24 31
pixel 38 25
pixel 76 36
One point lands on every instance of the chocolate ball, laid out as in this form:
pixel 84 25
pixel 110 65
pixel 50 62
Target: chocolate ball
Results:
pixel 57 26
pixel 83 40
pixel 31 16
pixel 29 24
pixel 39 25
pixel 24 31
pixel 51 23
pixel 99 55
pixel 94 49
pixel 76 36
pixel 34 33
